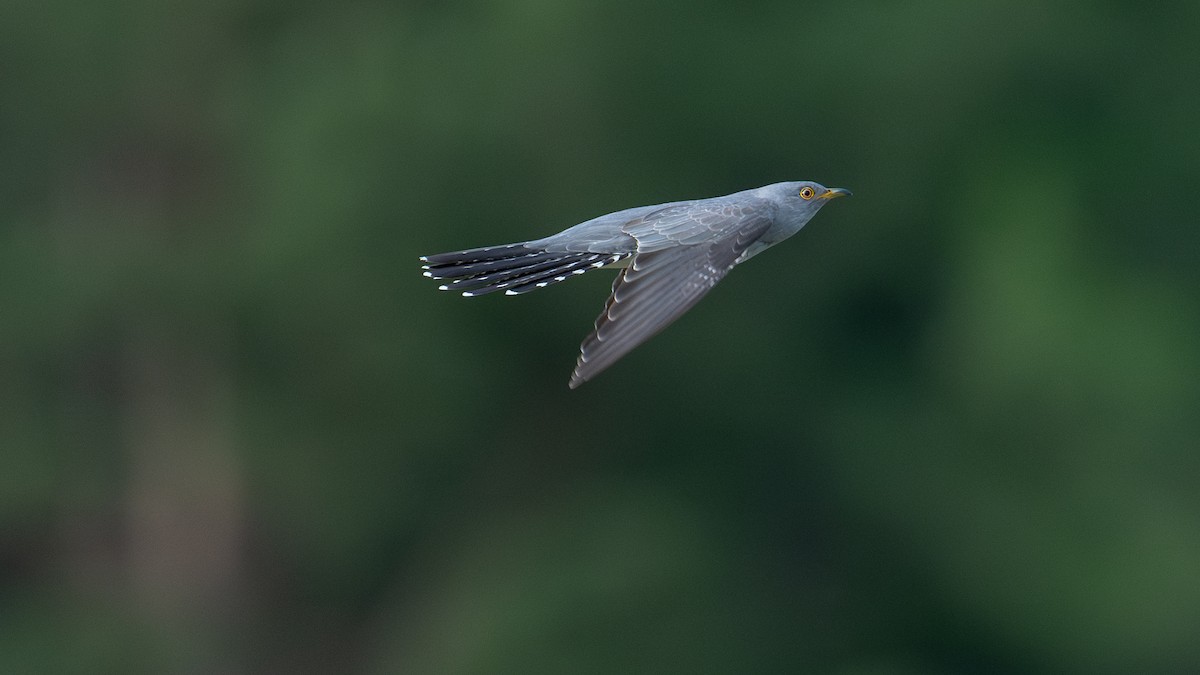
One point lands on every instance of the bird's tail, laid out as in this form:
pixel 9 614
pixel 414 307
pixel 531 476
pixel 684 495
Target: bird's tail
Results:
pixel 512 268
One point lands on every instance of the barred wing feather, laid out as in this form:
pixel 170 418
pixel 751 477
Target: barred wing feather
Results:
pixel 656 289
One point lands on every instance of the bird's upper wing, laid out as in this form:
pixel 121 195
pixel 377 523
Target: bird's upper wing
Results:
pixel 682 253
pixel 693 223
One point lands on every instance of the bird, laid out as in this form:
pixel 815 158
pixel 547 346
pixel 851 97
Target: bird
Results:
pixel 669 256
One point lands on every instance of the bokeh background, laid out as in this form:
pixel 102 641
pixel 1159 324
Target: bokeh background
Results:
pixel 951 427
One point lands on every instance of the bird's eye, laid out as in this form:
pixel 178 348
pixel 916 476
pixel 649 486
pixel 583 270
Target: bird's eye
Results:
pixel 806 193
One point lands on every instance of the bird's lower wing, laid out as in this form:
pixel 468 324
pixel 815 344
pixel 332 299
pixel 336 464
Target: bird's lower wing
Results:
pixel 655 290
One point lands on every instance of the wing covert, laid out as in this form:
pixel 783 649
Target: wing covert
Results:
pixel 694 223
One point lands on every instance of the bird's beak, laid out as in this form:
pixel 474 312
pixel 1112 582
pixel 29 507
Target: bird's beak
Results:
pixel 836 192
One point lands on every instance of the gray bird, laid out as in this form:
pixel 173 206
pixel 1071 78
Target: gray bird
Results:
pixel 670 256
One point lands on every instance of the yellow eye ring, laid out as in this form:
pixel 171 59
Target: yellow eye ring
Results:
pixel 806 193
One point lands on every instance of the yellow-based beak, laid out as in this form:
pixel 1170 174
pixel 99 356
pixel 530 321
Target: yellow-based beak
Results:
pixel 836 192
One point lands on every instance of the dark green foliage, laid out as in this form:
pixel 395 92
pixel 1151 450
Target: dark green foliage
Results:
pixel 950 427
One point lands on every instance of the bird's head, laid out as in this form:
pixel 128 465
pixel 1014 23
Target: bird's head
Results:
pixel 800 200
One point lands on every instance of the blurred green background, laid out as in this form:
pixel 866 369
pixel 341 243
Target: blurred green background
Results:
pixel 951 427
